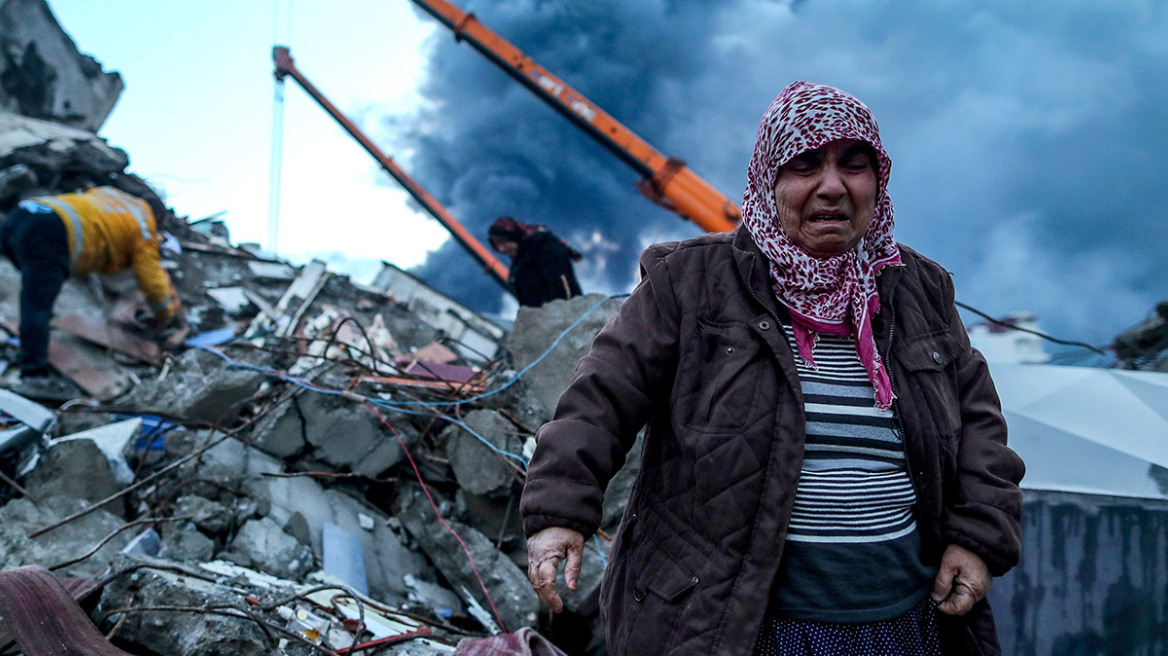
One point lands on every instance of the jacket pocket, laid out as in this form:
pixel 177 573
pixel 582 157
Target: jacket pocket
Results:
pixel 717 380
pixel 928 387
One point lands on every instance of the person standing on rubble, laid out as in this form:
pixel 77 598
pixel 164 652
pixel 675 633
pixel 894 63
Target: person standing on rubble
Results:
pixel 101 230
pixel 541 263
pixel 826 468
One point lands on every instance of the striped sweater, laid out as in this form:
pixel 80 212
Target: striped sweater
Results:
pixel 852 552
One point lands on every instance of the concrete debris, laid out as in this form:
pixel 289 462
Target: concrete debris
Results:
pixel 1145 346
pixel 43 76
pixel 211 488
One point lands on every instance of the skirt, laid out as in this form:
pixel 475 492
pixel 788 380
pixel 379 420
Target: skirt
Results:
pixel 912 634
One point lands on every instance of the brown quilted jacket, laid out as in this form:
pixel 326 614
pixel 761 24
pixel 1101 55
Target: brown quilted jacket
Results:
pixel 697 352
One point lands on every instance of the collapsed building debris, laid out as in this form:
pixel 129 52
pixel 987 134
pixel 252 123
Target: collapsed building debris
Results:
pixel 322 467
pixel 1145 345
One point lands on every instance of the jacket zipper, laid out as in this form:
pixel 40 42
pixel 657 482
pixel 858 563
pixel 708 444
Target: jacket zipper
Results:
pixel 903 437
pixel 750 288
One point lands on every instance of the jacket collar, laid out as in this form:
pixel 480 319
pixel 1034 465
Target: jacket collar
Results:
pixel 754 269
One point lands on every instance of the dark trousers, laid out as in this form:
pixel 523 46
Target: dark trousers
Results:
pixel 38 245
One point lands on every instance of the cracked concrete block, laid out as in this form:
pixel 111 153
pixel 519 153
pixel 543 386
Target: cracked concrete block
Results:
pixel 516 602
pixel 479 468
pixel 280 433
pixel 183 541
pixel 346 435
pixel 76 469
pixel 536 329
pixel 262 544
pixel 209 516
pixel 71 540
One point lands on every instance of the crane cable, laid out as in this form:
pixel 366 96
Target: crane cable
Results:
pixel 275 171
pixel 276 166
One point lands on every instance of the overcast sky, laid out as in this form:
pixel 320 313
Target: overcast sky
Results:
pixel 1027 139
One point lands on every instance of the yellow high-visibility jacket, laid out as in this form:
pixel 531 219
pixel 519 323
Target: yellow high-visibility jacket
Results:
pixel 110 230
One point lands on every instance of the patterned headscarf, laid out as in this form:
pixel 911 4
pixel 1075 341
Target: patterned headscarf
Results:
pixel 834 295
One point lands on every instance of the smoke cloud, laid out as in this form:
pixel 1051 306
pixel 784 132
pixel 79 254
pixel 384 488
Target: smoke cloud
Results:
pixel 1027 144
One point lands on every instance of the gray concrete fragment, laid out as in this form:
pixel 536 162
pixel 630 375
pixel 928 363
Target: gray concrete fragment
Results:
pixel 262 544
pixel 387 559
pixel 508 586
pixel 20 517
pixel 201 387
pixel 537 328
pixel 183 541
pixel 479 468
pixel 349 436
pixel 209 516
pixel 173 633
pixel 76 469
pixel 280 433
pixel 44 76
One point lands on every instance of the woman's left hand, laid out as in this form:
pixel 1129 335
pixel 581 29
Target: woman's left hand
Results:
pixel 963 581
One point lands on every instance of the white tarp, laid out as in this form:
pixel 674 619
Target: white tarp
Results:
pixel 1080 429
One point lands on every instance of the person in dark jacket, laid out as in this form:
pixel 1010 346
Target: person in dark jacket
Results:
pixel 826 468
pixel 541 263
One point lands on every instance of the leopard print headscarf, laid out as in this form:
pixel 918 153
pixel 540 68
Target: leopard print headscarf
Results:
pixel 834 295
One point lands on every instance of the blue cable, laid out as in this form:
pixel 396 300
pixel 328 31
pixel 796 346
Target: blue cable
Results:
pixel 399 405
pixel 599 551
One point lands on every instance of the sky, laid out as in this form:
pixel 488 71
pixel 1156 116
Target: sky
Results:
pixel 1027 139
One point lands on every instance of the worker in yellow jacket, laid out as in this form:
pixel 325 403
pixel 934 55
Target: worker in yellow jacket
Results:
pixel 101 230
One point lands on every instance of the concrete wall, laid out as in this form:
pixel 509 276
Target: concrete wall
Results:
pixel 1093 578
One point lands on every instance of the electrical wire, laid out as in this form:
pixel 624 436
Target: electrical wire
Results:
pixel 438 512
pixel 1007 324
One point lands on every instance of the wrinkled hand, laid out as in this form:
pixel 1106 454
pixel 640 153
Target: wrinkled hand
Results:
pixel 545 550
pixel 962 581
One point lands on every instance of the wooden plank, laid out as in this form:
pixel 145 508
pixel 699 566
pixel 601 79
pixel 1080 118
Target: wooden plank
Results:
pixel 94 372
pixel 111 336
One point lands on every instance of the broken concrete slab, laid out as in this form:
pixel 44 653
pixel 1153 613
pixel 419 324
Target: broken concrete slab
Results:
pixel 479 468
pixel 191 633
pixel 44 76
pixel 536 329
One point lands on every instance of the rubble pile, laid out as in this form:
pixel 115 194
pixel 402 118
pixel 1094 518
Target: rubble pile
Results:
pixel 322 467
pixel 1145 345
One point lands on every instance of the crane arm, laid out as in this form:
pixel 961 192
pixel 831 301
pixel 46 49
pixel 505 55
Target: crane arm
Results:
pixel 666 180
pixel 286 67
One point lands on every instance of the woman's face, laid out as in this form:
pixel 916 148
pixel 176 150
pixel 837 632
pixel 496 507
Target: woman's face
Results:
pixel 825 197
pixel 505 246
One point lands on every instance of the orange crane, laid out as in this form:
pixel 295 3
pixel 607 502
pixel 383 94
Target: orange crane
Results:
pixel 667 181
pixel 286 67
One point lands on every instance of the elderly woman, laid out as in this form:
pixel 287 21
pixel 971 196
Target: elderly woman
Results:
pixel 826 469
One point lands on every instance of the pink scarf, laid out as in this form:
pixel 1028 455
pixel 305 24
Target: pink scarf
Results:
pixel 835 295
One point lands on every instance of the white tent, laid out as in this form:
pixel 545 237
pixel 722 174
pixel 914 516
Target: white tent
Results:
pixel 1086 430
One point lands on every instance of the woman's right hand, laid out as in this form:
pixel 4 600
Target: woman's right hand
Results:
pixel 545 550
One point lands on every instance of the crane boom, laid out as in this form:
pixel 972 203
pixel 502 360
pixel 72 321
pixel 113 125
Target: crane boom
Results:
pixel 666 180
pixel 286 67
